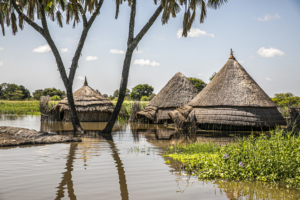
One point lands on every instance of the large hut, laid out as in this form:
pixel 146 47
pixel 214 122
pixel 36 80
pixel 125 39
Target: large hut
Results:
pixel 90 105
pixel 176 93
pixel 231 101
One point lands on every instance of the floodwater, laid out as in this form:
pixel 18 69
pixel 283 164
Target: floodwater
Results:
pixel 126 165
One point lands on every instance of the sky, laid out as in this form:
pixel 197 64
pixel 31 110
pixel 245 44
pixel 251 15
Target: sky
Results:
pixel 264 36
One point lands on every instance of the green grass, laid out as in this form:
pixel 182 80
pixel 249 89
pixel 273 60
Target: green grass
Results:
pixel 274 158
pixel 19 107
pixel 32 107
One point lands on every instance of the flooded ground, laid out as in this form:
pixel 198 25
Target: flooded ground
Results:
pixel 126 165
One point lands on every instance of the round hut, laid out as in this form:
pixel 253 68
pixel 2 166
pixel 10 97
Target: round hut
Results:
pixel 90 105
pixel 231 101
pixel 176 93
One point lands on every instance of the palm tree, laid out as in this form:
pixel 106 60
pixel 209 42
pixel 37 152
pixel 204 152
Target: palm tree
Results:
pixel 52 9
pixel 168 8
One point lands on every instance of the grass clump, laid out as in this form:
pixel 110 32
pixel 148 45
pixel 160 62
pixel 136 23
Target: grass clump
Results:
pixel 274 158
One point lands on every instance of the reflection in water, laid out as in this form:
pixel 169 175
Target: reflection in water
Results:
pixel 60 127
pixel 147 177
pixel 86 153
pixel 255 190
pixel 121 171
pixel 67 176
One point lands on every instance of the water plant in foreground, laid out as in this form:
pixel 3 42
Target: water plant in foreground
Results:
pixel 271 158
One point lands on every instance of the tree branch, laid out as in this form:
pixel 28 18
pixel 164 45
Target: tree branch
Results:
pixel 96 12
pixel 144 30
pixel 29 21
pixel 131 23
pixel 81 42
pixel 53 47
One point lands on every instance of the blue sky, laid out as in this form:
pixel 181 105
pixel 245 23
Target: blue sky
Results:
pixel 263 34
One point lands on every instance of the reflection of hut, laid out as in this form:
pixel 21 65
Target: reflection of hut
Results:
pixel 90 105
pixel 178 92
pixel 231 101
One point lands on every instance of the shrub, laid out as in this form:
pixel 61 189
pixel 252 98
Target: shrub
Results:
pixel 273 158
pixel 145 98
pixel 55 98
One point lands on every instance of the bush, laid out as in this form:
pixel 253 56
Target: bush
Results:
pixel 55 98
pixel 115 99
pixel 144 98
pixel 273 158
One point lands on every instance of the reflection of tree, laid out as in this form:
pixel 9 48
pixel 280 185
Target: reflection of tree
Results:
pixel 121 171
pixel 67 176
pixel 255 190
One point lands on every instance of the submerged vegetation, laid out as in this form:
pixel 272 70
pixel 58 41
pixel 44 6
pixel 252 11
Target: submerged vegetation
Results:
pixel 273 158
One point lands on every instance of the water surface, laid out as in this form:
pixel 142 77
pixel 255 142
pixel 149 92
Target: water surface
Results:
pixel 107 167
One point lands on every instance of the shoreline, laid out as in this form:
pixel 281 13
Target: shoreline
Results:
pixel 14 136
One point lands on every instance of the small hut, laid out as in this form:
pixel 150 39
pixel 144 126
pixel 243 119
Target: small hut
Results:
pixel 176 93
pixel 90 105
pixel 231 101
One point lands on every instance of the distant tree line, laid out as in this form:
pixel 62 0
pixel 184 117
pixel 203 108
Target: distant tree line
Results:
pixel 10 91
pixel 55 94
pixel 141 92
pixel 286 99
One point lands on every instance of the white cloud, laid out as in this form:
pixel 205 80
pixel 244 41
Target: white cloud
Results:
pixel 116 51
pixel 251 56
pixel 80 78
pixel 268 17
pixel 64 50
pixel 42 49
pixel 147 62
pixel 195 32
pixel 1 63
pixel 200 74
pixel 1 49
pixel 241 61
pixel 269 79
pixel 271 52
pixel 90 58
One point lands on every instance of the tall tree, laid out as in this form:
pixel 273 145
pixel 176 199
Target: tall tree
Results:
pixel 53 9
pixel 198 83
pixel 168 8
pixel 141 90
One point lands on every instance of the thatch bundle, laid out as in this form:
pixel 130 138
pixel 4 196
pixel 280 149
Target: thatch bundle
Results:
pixel 232 101
pixel 176 93
pixel 90 105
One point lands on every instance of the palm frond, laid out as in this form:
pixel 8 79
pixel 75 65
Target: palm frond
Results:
pixel 203 11
pixel 13 23
pixel 215 4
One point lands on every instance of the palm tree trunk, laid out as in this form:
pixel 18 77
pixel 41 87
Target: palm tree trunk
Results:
pixel 73 114
pixel 131 45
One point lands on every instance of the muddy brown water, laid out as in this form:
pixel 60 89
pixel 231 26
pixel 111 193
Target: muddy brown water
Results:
pixel 111 167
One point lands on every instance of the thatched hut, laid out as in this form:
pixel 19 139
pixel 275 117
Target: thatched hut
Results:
pixel 90 105
pixel 176 93
pixel 231 101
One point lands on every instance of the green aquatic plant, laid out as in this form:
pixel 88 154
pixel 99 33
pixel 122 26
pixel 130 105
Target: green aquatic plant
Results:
pixel 269 158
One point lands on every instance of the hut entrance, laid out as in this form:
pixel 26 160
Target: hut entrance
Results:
pixel 61 115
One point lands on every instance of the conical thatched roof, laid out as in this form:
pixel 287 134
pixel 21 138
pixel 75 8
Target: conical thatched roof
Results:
pixel 177 92
pixel 87 100
pixel 232 86
pixel 232 100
